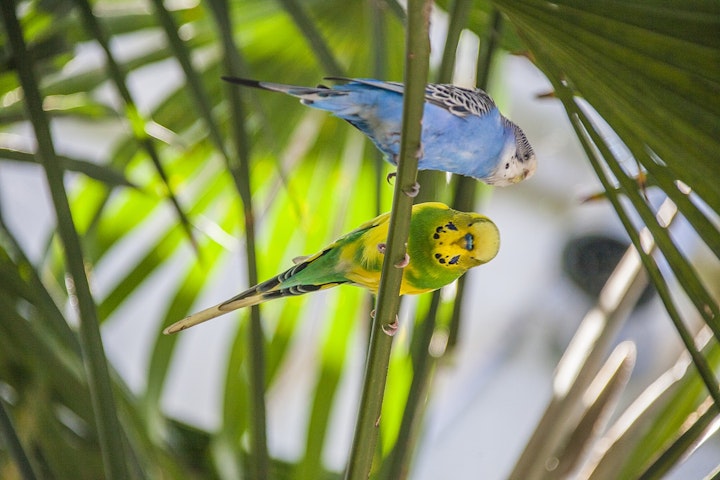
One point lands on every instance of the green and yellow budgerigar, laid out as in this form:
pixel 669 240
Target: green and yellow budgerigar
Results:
pixel 443 244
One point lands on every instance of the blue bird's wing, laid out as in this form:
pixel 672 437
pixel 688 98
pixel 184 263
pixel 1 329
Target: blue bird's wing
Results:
pixel 457 100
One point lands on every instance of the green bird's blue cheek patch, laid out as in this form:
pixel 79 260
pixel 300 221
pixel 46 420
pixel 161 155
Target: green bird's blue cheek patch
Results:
pixel 469 242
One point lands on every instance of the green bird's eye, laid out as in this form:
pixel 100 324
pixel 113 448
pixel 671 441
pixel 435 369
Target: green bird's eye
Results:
pixel 469 242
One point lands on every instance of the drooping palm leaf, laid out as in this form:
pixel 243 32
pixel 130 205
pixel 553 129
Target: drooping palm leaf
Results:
pixel 652 71
pixel 624 55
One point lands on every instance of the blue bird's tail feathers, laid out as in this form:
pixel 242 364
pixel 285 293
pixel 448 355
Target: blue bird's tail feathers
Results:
pixel 307 94
pixel 347 101
pixel 344 101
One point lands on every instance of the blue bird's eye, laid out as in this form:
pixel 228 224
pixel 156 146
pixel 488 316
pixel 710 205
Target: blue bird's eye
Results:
pixel 469 242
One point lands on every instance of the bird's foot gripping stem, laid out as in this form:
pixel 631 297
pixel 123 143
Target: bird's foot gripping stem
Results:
pixel 413 190
pixel 404 262
pixel 390 329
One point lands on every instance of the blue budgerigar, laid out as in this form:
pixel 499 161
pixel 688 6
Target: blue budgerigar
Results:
pixel 463 130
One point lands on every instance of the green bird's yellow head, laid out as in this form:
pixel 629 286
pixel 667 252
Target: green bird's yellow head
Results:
pixel 444 244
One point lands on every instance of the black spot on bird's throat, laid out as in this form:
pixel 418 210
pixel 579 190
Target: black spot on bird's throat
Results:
pixel 454 260
pixel 451 226
pixel 436 236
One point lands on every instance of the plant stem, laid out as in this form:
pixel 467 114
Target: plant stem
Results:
pixel 686 442
pixel 182 54
pixel 13 445
pixel 110 435
pixel 416 72
pixel 318 44
pixel 458 20
pixel 379 71
pixel 467 187
pixel 423 363
pixel 132 113
pixel 240 171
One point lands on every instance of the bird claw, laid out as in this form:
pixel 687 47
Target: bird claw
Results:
pixel 390 329
pixel 413 191
pixel 404 262
pixel 381 247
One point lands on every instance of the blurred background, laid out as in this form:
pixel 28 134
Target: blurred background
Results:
pixel 312 178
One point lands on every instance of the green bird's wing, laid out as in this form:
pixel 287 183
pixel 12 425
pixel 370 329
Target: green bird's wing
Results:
pixel 443 244
pixel 335 264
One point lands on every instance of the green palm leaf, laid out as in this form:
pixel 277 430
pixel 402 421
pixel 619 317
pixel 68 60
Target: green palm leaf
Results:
pixel 652 73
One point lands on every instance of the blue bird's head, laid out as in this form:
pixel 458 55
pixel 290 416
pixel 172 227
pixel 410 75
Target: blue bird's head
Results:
pixel 517 160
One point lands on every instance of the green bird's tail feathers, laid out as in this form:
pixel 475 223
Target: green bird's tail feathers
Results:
pixel 267 290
